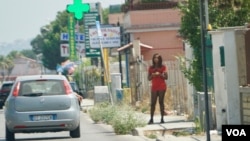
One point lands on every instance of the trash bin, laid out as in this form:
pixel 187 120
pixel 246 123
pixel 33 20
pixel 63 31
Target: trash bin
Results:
pixel 101 94
pixel 119 95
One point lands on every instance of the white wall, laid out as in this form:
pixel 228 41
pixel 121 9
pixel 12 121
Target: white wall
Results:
pixel 226 79
pixel 190 88
pixel 220 91
pixel 233 94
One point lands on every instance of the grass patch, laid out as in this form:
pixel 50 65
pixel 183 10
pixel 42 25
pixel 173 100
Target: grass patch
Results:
pixel 181 133
pixel 152 136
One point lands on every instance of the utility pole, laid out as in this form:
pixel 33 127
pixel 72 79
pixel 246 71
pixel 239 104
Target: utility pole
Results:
pixel 203 22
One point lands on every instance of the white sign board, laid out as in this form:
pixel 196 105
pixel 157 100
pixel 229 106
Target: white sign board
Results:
pixel 65 51
pixel 110 37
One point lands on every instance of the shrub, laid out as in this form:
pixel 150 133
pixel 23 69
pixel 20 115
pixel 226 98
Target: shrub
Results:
pixel 100 112
pixel 108 113
pixel 122 118
pixel 152 136
pixel 126 120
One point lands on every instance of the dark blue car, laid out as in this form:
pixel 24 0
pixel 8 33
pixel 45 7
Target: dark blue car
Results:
pixel 4 91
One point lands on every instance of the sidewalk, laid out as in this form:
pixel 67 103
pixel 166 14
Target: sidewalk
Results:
pixel 164 131
pixel 173 123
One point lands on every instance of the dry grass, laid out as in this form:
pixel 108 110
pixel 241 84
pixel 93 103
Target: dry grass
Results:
pixel 144 105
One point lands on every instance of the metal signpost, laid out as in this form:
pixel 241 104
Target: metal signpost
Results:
pixel 102 58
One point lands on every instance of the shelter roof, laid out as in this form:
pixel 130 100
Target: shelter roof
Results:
pixel 129 45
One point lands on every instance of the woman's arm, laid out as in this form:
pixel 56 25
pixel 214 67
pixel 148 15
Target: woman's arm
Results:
pixel 150 76
pixel 165 75
pixel 150 73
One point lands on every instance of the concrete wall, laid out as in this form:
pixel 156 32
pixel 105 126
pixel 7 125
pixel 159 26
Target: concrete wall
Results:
pixel 220 91
pixel 157 28
pixel 245 105
pixel 232 80
pixel 190 88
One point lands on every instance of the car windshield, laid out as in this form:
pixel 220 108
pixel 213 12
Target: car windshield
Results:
pixel 6 87
pixel 44 87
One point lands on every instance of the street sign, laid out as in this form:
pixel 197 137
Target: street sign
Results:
pixel 109 37
pixel 65 51
pixel 92 53
pixel 78 8
pixel 79 37
pixel 72 43
pixel 90 20
pixel 64 48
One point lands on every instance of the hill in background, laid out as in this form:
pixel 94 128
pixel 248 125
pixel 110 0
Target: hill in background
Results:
pixel 18 45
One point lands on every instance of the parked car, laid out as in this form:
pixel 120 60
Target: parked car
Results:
pixel 42 103
pixel 4 92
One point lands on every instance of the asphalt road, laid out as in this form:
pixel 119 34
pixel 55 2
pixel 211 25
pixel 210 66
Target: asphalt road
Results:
pixel 89 132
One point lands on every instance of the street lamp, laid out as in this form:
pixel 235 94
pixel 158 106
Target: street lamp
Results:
pixel 204 25
pixel 39 60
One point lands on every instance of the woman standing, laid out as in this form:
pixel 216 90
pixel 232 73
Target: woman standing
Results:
pixel 157 74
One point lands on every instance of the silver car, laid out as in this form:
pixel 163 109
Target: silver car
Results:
pixel 42 103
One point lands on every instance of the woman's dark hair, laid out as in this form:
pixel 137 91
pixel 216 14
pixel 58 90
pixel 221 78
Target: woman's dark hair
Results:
pixel 159 62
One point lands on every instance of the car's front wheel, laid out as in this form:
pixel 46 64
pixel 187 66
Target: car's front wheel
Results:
pixel 10 136
pixel 75 133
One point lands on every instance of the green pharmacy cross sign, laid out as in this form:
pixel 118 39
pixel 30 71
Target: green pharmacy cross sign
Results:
pixel 78 8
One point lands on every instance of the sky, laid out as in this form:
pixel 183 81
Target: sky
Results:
pixel 22 19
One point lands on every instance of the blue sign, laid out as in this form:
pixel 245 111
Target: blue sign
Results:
pixel 79 37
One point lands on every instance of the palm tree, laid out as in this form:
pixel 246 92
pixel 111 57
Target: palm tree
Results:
pixel 14 54
pixel 6 65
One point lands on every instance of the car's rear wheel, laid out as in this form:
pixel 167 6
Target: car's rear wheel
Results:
pixel 10 136
pixel 75 133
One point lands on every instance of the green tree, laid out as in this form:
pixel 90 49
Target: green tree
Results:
pixel 29 54
pixel 105 13
pixel 222 13
pixel 48 41
pixel 6 64
pixel 153 0
pixel 13 54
